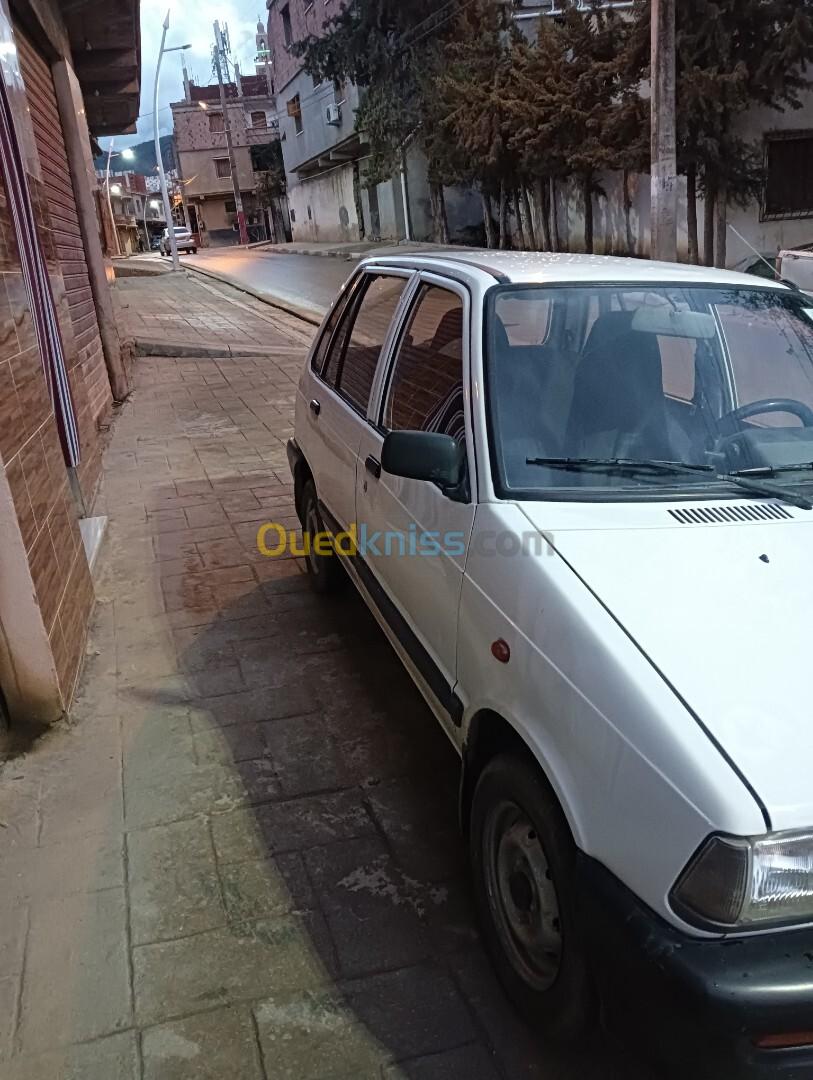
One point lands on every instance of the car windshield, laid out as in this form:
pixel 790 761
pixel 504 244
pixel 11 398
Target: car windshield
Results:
pixel 591 389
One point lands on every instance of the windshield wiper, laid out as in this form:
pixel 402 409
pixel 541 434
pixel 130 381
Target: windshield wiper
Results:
pixel 773 470
pixel 624 464
pixel 758 487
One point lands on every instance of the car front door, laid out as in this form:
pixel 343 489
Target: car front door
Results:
pixel 346 361
pixel 413 537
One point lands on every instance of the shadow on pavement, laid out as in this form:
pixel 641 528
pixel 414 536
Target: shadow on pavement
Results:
pixel 351 793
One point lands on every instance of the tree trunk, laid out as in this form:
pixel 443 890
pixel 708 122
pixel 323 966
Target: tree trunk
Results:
pixel 542 207
pixel 691 214
pixel 554 217
pixel 520 226
pixel 504 244
pixel 628 213
pixel 440 222
pixel 587 188
pixel 722 226
pixel 529 218
pixel 708 224
pixel 488 220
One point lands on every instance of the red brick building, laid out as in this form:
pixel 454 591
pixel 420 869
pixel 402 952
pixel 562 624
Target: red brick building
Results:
pixel 69 70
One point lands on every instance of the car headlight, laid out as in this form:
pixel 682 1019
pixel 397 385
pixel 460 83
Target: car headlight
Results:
pixel 747 883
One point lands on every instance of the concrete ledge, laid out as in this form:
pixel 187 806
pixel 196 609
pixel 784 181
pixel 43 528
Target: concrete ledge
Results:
pixel 147 347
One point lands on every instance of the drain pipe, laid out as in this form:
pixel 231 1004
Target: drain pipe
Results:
pixel 405 196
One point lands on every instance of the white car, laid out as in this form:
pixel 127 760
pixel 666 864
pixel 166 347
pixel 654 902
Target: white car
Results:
pixel 575 490
pixel 184 241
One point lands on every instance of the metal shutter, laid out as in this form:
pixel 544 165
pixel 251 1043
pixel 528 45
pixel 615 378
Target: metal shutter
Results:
pixel 67 236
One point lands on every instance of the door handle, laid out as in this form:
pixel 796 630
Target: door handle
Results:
pixel 315 407
pixel 373 465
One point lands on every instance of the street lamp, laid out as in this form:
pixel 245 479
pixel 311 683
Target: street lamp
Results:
pixel 161 176
pixel 153 204
pixel 128 155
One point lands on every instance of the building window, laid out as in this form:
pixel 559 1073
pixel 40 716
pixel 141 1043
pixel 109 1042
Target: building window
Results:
pixel 287 32
pixel 222 168
pixel 230 206
pixel 258 119
pixel 295 110
pixel 216 121
pixel 789 175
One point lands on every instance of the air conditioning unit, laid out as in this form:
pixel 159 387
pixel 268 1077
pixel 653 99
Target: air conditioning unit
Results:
pixel 333 115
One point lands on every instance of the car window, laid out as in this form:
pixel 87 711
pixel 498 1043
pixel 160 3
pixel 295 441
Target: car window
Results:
pixel 426 387
pixel 768 347
pixel 357 346
pixel 318 358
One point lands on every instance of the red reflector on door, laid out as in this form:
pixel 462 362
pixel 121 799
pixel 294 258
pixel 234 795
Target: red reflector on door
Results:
pixel 501 651
pixel 784 1042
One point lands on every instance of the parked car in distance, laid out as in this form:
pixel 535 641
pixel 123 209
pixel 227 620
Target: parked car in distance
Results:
pixel 155 243
pixel 573 492
pixel 184 241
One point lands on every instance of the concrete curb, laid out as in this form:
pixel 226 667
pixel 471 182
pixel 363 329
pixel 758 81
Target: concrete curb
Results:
pixel 308 315
pixel 146 347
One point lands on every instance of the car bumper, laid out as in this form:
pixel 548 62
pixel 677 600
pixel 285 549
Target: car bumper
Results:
pixel 698 1005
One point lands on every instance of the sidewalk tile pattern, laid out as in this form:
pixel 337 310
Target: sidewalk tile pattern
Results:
pixel 240 859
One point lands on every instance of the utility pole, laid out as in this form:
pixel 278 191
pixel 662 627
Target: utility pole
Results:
pixel 235 179
pixel 664 140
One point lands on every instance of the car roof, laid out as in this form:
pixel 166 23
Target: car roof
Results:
pixel 524 267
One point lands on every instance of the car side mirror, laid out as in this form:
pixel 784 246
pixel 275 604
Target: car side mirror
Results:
pixel 425 455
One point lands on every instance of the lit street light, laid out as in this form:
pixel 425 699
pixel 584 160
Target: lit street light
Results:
pixel 128 155
pixel 161 176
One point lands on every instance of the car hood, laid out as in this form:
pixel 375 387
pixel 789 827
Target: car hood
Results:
pixel 724 613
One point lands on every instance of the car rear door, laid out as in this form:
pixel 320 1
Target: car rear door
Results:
pixel 346 368
pixel 419 536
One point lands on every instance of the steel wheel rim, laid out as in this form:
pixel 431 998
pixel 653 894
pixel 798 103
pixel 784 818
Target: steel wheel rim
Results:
pixel 522 896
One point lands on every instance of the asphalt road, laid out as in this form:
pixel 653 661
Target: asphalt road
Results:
pixel 306 283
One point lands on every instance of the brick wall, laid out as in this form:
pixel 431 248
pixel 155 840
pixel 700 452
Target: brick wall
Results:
pixel 31 459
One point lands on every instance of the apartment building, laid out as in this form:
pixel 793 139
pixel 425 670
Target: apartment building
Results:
pixel 324 154
pixel 203 162
pixel 138 213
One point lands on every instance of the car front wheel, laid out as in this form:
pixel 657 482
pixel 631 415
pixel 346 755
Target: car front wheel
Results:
pixel 523 860
pixel 325 572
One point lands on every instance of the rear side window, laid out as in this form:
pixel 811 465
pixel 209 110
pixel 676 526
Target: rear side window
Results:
pixel 355 349
pixel 426 388
pixel 318 358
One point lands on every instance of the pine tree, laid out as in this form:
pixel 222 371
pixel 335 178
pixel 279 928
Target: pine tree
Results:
pixel 469 108
pixel 573 103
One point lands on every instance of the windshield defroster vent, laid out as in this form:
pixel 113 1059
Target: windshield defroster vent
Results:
pixel 721 515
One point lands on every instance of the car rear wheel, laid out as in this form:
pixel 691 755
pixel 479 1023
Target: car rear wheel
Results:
pixel 325 572
pixel 194 251
pixel 523 860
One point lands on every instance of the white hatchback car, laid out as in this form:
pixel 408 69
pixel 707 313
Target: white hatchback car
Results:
pixel 576 491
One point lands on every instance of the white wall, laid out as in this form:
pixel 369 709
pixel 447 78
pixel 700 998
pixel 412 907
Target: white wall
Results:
pixel 324 209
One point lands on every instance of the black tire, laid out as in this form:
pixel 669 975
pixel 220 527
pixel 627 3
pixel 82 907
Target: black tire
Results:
pixel 514 813
pixel 194 251
pixel 325 571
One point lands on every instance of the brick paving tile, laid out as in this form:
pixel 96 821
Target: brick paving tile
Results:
pixel 240 857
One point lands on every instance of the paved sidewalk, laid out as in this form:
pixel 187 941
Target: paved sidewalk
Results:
pixel 240 860
pixel 184 310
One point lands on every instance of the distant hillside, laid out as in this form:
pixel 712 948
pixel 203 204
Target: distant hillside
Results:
pixel 144 161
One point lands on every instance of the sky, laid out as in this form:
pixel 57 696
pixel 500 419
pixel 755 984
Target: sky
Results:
pixel 190 23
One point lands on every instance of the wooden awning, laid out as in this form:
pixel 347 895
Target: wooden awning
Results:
pixel 105 39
